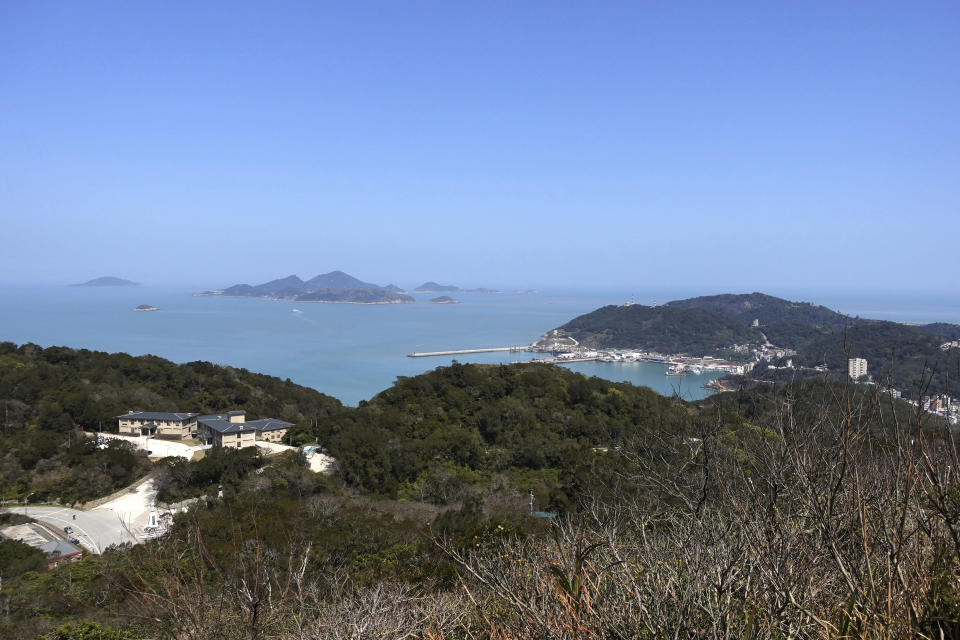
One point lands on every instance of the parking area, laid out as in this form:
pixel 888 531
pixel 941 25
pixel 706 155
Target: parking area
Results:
pixel 114 522
pixel 96 529
pixel 157 448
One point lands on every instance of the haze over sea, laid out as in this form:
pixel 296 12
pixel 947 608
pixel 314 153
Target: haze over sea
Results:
pixel 352 352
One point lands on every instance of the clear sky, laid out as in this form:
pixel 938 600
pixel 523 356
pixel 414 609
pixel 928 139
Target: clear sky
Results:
pixel 716 146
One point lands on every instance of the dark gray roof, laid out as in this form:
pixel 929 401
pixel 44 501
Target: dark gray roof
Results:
pixel 158 415
pixel 269 424
pixel 222 424
pixel 59 548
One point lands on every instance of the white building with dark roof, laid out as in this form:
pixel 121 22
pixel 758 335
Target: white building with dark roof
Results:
pixel 158 423
pixel 232 430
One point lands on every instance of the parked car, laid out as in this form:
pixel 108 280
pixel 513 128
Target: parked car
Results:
pixel 74 541
pixel 68 529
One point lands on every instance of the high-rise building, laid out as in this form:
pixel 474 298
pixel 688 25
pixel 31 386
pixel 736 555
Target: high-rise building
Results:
pixel 857 367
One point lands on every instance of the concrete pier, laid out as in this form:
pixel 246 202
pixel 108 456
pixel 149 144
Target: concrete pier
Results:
pixel 427 354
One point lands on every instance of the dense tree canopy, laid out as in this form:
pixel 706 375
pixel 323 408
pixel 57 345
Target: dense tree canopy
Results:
pixel 665 329
pixel 60 388
pixel 534 427
pixel 47 395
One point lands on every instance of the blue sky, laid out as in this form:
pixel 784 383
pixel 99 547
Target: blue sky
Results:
pixel 713 146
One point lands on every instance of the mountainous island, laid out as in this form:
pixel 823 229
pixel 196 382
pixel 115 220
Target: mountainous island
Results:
pixel 736 326
pixel 107 281
pixel 433 287
pixel 335 287
pixel 443 300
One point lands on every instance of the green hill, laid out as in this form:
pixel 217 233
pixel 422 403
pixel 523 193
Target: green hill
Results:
pixel 665 329
pixel 47 394
pixel 436 436
pixel 767 309
pixel 897 353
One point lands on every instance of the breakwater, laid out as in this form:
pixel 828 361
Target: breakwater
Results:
pixel 427 354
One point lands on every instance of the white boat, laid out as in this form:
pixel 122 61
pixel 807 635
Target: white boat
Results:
pixel 677 370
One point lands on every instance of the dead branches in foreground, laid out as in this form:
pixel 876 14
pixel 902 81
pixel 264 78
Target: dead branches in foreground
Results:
pixel 840 522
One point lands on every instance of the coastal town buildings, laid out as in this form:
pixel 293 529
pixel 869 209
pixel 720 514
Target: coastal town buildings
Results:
pixel 856 368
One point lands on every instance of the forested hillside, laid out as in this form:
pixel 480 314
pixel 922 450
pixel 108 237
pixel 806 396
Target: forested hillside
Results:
pixel 443 434
pixel 664 329
pixel 818 333
pixel 906 356
pixel 60 388
pixel 760 513
pixel 745 308
pixel 47 395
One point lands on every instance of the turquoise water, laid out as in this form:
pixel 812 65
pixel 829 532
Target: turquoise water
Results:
pixel 348 351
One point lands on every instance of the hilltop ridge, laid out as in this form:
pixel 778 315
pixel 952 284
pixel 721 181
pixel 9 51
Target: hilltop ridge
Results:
pixel 107 281
pixel 433 287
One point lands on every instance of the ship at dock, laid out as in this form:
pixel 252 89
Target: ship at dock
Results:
pixel 681 369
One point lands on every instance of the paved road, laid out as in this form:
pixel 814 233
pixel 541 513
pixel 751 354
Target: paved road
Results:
pixel 96 529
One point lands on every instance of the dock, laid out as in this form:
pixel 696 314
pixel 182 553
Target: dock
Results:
pixel 561 360
pixel 427 354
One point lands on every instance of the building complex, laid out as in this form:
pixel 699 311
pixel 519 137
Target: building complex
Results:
pixel 231 429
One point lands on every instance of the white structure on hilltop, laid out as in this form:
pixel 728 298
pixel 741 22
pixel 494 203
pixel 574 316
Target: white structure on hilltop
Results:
pixel 857 367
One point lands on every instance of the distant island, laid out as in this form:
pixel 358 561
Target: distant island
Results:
pixel 433 287
pixel 107 281
pixel 146 307
pixel 444 300
pixel 333 287
pixel 524 292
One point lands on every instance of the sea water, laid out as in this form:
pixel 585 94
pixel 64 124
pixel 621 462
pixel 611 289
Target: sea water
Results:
pixel 349 351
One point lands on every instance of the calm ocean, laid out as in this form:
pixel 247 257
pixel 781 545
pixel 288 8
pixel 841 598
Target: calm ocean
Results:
pixel 348 351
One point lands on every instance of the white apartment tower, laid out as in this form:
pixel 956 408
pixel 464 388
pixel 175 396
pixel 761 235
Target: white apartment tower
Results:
pixel 857 367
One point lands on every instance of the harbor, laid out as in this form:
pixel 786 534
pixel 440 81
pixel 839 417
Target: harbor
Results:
pixel 677 365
